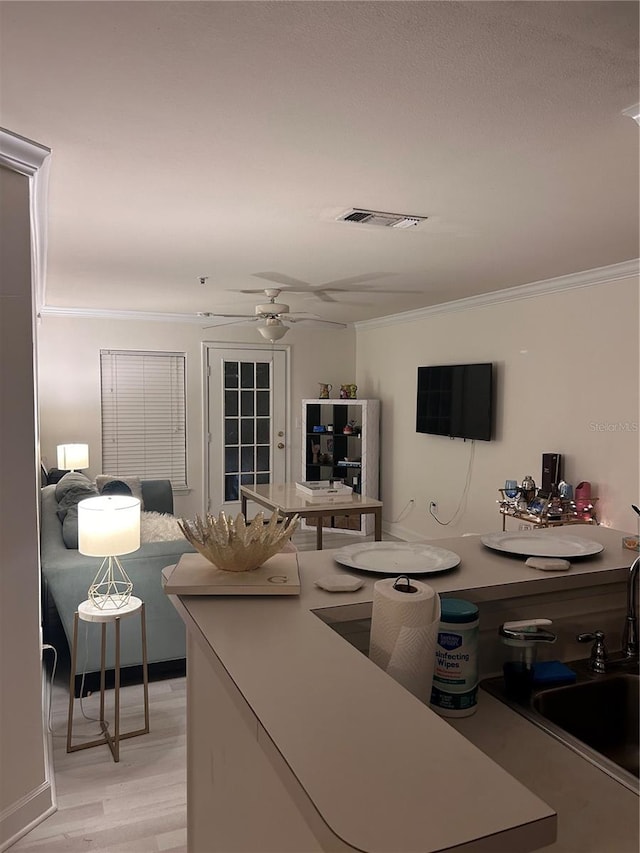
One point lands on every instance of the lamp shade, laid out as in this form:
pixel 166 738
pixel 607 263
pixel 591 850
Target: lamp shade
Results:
pixel 108 525
pixel 73 457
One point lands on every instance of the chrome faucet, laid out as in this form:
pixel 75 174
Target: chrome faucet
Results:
pixel 630 635
pixel 599 655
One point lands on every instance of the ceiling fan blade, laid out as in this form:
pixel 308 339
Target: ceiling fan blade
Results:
pixel 241 320
pixel 308 321
pixel 300 315
pixel 207 314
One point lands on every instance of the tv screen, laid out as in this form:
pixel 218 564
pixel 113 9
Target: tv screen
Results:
pixel 456 400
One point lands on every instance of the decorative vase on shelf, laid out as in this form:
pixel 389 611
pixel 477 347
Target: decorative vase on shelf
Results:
pixel 325 388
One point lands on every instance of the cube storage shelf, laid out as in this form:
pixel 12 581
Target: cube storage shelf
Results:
pixel 353 457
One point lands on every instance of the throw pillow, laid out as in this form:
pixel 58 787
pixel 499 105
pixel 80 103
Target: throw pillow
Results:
pixel 116 487
pixel 68 481
pixel 73 495
pixel 159 527
pixel 133 482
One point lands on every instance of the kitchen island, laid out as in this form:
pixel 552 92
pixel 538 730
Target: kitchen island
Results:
pixel 297 742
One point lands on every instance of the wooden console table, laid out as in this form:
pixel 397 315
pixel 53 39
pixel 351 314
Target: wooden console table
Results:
pixel 288 501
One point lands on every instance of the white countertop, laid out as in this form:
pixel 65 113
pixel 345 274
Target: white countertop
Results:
pixel 384 772
pixel 595 813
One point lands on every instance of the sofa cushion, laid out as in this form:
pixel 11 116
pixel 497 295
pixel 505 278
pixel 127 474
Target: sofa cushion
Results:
pixel 133 482
pixel 70 527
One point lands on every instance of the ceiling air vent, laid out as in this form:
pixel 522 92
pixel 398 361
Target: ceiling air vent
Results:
pixel 377 217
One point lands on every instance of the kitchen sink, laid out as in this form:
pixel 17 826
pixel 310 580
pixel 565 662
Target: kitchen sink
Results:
pixel 597 716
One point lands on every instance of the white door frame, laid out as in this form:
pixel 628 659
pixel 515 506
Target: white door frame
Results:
pixel 207 347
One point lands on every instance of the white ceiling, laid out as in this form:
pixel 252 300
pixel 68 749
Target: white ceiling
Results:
pixel 222 139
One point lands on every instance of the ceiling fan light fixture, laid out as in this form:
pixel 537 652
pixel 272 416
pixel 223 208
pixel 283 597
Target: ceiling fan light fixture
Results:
pixel 273 329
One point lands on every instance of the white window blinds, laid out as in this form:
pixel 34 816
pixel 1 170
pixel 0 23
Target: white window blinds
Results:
pixel 143 415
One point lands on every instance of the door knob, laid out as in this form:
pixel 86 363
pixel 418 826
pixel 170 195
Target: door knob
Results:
pixel 280 445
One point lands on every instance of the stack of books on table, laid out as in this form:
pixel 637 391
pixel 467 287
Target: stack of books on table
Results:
pixel 324 488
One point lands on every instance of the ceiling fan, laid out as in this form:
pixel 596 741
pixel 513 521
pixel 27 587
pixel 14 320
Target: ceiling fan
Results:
pixel 269 317
pixel 324 291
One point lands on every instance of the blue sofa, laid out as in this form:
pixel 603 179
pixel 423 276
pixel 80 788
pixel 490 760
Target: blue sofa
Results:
pixel 67 574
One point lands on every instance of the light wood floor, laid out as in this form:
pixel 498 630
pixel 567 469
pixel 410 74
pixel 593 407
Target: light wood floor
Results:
pixel 136 805
pixel 139 804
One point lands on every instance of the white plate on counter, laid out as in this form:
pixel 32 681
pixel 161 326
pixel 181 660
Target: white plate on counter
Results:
pixel 396 558
pixel 541 544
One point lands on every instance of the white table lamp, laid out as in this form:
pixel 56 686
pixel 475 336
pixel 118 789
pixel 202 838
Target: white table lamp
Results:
pixel 73 457
pixel 109 526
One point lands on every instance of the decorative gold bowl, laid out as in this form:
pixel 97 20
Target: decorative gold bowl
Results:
pixel 235 546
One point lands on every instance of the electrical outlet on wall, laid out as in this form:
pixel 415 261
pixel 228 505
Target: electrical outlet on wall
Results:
pixel 524 527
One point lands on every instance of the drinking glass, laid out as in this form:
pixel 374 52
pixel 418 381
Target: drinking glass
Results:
pixel 511 488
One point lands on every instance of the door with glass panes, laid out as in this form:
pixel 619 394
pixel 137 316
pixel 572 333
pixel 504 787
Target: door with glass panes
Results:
pixel 247 421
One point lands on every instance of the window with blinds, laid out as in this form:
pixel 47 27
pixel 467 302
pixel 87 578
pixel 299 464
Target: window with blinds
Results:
pixel 143 415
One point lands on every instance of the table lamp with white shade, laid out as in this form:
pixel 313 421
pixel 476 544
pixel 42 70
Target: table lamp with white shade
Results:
pixel 73 457
pixel 109 526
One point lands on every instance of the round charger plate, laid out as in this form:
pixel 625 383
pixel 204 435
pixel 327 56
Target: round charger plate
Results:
pixel 540 543
pixel 396 558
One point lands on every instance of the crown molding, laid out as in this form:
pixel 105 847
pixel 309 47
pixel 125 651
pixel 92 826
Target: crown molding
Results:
pixel 107 314
pixel 588 278
pixel 633 112
pixel 20 154
pixel 32 160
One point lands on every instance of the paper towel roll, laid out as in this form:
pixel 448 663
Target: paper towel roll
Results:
pixel 404 632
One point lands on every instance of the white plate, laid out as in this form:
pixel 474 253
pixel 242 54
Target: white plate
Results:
pixel 397 558
pixel 541 544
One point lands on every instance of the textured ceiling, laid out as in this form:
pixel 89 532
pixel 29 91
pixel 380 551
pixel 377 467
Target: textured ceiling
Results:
pixel 222 139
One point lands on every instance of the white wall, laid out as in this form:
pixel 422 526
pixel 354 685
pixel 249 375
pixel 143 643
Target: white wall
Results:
pixel 69 380
pixel 567 375
pixel 25 791
pixel 566 361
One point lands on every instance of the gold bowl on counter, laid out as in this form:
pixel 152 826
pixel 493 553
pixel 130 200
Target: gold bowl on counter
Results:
pixel 235 546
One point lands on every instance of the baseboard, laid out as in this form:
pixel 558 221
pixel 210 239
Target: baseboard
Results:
pixel 402 533
pixel 23 816
pixel 38 804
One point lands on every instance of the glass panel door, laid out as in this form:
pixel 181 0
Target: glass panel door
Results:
pixel 247 422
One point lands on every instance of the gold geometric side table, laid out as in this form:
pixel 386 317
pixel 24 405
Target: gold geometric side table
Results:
pixel 88 612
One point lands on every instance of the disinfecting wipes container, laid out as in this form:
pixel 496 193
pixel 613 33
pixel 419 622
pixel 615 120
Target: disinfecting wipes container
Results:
pixel 455 678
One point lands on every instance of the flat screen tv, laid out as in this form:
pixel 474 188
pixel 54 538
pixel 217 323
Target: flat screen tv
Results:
pixel 456 400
